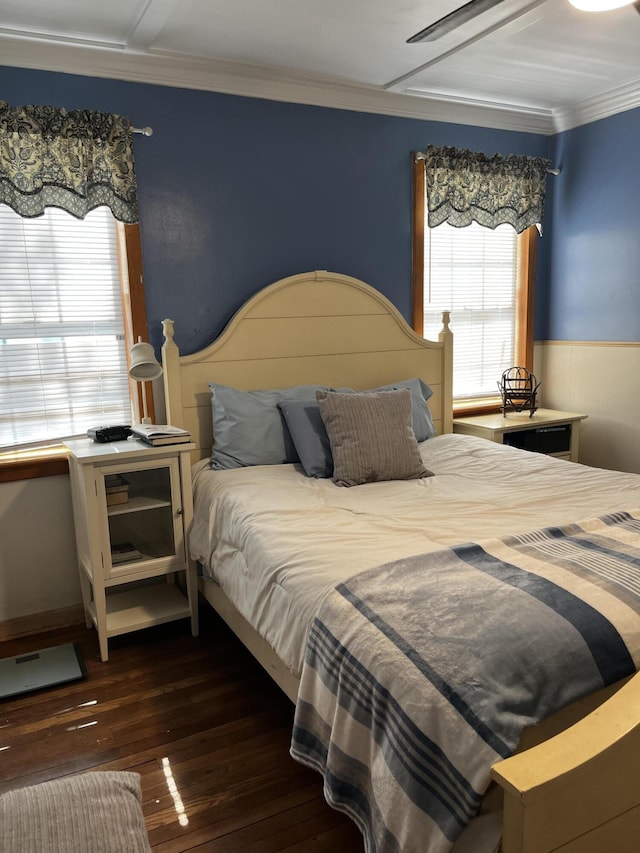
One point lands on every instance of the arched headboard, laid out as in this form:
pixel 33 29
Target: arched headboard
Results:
pixel 313 328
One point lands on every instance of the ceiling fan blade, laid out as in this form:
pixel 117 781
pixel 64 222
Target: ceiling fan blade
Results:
pixel 637 6
pixel 454 19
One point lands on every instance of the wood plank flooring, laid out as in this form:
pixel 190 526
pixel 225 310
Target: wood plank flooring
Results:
pixel 205 727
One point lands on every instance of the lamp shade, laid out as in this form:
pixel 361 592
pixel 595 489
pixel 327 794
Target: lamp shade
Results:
pixel 144 366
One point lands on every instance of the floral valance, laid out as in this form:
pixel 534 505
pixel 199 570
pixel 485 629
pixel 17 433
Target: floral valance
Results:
pixel 466 186
pixel 76 160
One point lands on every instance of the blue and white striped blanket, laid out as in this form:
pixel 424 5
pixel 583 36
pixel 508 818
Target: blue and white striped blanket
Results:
pixel 421 674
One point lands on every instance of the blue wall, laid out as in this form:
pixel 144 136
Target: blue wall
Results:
pixel 592 291
pixel 238 192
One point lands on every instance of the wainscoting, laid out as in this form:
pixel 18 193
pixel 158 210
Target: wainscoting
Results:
pixel 602 380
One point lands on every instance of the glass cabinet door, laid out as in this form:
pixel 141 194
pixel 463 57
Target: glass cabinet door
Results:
pixel 143 508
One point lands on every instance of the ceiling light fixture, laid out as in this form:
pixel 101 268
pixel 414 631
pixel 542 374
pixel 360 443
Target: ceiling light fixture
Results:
pixel 599 5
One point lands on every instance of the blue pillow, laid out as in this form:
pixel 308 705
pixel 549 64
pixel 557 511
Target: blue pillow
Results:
pixel 309 436
pixel 420 415
pixel 248 428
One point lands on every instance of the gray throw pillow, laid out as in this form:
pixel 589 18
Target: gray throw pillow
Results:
pixel 371 436
pixel 421 419
pixel 309 435
pixel 88 813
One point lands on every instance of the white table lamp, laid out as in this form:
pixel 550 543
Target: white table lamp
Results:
pixel 143 368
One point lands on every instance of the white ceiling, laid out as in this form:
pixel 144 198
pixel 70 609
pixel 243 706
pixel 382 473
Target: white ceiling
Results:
pixel 536 65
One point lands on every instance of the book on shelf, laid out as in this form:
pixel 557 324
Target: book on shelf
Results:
pixel 115 498
pixel 112 490
pixel 125 552
pixel 160 434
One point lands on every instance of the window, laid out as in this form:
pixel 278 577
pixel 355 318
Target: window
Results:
pixel 483 277
pixel 65 324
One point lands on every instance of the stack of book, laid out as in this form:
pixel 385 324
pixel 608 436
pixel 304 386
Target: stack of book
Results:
pixel 159 434
pixel 124 553
pixel 116 488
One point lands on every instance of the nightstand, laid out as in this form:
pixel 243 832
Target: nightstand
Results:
pixel 546 431
pixel 133 508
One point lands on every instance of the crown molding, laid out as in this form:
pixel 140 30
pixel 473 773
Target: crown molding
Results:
pixel 37 39
pixel 277 84
pixel 118 62
pixel 537 117
pixel 600 106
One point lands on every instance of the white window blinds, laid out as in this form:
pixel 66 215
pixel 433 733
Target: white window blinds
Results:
pixel 473 272
pixel 62 352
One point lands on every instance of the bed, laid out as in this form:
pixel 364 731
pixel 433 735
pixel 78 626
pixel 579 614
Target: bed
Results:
pixel 282 572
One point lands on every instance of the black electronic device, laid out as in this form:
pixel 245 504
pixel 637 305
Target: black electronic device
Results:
pixel 116 432
pixel 550 439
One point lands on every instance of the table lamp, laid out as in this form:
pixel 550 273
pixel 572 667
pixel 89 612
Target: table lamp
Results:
pixel 143 368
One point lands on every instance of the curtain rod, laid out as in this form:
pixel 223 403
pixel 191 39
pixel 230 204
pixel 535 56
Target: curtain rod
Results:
pixel 144 131
pixel 420 155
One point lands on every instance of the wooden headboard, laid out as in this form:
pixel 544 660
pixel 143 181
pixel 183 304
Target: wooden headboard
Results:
pixel 313 328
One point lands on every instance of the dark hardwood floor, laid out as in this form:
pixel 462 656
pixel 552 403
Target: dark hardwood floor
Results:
pixel 205 727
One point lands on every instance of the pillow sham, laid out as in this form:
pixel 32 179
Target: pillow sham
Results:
pixel 309 436
pixel 248 428
pixel 420 392
pixel 371 436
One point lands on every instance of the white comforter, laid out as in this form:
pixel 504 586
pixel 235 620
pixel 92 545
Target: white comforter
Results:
pixel 277 542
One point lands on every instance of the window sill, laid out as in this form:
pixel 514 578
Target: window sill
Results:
pixel 488 406
pixel 30 464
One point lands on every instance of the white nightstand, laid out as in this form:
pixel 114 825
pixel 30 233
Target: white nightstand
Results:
pixel 152 512
pixel 546 431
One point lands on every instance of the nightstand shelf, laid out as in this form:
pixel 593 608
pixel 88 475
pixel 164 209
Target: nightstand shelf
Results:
pixel 547 431
pixel 148 551
pixel 150 522
pixel 141 608
pixel 137 504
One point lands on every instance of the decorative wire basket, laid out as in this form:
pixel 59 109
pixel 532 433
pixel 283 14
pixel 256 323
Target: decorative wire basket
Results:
pixel 518 390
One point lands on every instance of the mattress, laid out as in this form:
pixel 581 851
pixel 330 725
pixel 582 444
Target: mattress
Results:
pixel 277 542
